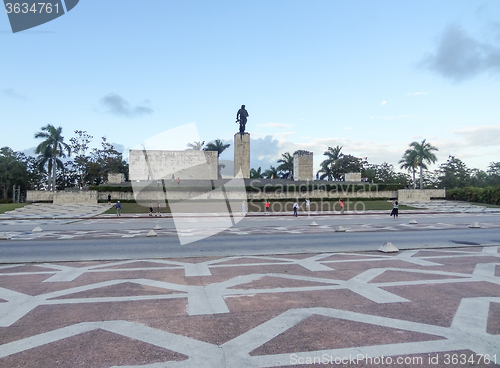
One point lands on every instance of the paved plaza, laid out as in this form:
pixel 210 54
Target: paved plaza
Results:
pixel 413 308
pixel 255 311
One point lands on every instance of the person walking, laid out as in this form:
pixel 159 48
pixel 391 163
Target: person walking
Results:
pixel 150 209
pixel 395 209
pixel 341 205
pixel 308 205
pixel 295 209
pixel 267 207
pixel 109 198
pixel 118 209
pixel 243 208
pixel 158 213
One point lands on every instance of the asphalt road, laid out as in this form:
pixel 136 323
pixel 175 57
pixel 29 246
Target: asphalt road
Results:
pixel 223 245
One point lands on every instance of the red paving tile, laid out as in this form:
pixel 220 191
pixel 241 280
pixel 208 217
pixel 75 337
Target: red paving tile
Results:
pixel 323 333
pixel 269 282
pixel 125 289
pixel 97 349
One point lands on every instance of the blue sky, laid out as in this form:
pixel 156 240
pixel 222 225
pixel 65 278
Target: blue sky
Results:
pixel 371 76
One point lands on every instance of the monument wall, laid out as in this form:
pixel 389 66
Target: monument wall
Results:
pixel 242 154
pixel 115 178
pixel 161 164
pixel 353 177
pixel 303 165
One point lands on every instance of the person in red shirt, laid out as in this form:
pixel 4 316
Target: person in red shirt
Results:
pixel 267 207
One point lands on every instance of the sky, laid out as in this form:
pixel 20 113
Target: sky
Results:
pixel 370 76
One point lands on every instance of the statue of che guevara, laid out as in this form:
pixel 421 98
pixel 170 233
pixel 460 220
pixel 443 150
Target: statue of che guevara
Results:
pixel 241 117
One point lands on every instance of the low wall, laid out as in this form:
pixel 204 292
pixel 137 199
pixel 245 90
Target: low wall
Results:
pixel 76 196
pixel 87 197
pixel 39 196
pixel 420 195
pixel 403 195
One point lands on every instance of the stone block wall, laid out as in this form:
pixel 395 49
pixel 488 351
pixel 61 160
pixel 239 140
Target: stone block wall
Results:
pixel 114 178
pixel 39 196
pixel 420 195
pixel 303 165
pixel 161 164
pixel 242 154
pixel 73 196
pixel 353 177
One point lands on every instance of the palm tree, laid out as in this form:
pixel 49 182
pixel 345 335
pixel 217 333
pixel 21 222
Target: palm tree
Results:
pixel 50 150
pixel 329 165
pixel 326 171
pixel 333 154
pixel 217 146
pixel 423 154
pixel 272 172
pixel 256 174
pixel 410 163
pixel 196 146
pixel 286 162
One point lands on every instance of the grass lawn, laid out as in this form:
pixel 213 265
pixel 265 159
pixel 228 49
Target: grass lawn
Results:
pixel 258 206
pixel 4 207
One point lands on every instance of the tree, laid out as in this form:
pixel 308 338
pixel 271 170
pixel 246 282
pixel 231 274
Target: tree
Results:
pixel 79 147
pixel 347 164
pixel 286 167
pixel 196 145
pixel 51 149
pixel 217 146
pixel 494 173
pixel 256 174
pixel 423 154
pixel 453 174
pixel 328 165
pixel 326 171
pixel 272 172
pixel 13 171
pixel 410 163
pixel 103 161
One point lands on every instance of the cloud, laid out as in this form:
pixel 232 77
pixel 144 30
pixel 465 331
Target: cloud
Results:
pixel 387 118
pixel 10 92
pixel 481 136
pixel 417 93
pixel 274 125
pixel 117 105
pixel 383 103
pixel 459 57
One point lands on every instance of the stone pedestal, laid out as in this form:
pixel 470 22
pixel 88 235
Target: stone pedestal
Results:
pixel 303 165
pixel 242 154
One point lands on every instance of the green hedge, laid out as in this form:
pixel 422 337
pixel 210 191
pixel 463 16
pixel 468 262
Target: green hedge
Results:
pixel 488 195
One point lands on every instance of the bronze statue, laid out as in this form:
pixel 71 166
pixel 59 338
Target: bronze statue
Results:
pixel 241 117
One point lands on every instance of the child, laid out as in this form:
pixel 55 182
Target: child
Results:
pixel 395 210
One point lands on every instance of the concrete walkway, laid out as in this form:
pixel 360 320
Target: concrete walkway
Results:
pixel 55 211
